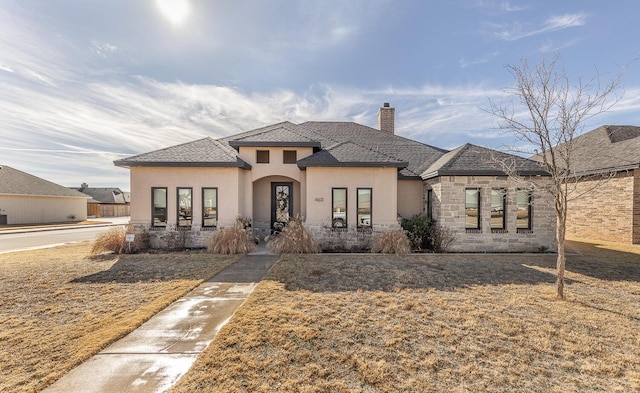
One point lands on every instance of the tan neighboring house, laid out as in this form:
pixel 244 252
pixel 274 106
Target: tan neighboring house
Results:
pixel 27 199
pixel 106 201
pixel 349 181
pixel 607 163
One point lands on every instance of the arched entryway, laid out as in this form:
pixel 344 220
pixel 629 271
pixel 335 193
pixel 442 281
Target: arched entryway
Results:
pixel 275 200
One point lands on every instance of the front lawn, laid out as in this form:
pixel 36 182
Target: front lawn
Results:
pixel 58 306
pixel 433 323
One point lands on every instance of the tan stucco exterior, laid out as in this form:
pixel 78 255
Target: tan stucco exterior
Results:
pixel 229 181
pixel 410 198
pixel 29 209
pixel 382 181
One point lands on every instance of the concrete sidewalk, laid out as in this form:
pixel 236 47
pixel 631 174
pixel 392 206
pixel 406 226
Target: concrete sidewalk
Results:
pixel 153 357
pixel 96 222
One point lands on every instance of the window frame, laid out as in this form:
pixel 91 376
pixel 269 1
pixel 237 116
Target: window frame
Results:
pixel 359 224
pixel 153 207
pixel 335 219
pixel 264 154
pixel 204 207
pixel 503 199
pixel 477 227
pixel 529 226
pixel 429 210
pixel 178 208
pixel 289 160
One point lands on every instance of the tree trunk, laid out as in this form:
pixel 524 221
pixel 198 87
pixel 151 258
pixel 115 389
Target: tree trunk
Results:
pixel 560 263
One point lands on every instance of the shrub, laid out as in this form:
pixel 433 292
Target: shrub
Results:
pixel 233 240
pixel 392 242
pixel 111 240
pixel 295 238
pixel 420 231
pixel 442 238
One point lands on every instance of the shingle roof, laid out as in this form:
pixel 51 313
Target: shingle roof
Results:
pixel 15 182
pixel 281 134
pixel 473 160
pixel 202 152
pixel 349 154
pixel 609 147
pixel 109 195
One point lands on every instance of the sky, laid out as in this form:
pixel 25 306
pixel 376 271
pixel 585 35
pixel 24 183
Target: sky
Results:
pixel 86 82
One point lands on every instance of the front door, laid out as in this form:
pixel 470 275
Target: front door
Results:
pixel 281 205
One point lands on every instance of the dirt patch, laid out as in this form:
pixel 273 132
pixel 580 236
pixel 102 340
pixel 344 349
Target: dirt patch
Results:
pixel 432 323
pixel 60 306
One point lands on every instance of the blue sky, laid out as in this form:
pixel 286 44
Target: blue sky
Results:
pixel 85 82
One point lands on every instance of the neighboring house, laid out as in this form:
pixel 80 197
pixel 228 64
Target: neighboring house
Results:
pixel 106 201
pixel 607 162
pixel 27 199
pixel 347 180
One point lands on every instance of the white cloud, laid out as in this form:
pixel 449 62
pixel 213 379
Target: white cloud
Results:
pixel 517 30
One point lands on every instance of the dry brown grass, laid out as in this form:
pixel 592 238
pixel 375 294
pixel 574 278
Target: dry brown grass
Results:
pixel 433 323
pixel 58 307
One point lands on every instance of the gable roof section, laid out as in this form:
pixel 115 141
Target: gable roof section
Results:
pixel 472 160
pixel 202 152
pixel 15 182
pixel 417 155
pixel 105 195
pixel 348 154
pixel 607 148
pixel 282 134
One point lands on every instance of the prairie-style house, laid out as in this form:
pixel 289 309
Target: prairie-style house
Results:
pixel 349 181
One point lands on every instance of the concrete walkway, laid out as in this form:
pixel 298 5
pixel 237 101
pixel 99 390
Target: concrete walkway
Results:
pixel 153 357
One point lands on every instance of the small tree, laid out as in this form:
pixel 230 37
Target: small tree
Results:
pixel 556 110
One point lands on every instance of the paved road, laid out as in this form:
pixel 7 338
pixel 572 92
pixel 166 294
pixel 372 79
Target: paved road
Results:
pixel 42 239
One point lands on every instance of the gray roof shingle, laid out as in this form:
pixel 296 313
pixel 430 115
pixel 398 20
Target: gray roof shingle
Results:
pixel 473 160
pixel 350 154
pixel 609 147
pixel 202 152
pixel 15 182
pixel 108 195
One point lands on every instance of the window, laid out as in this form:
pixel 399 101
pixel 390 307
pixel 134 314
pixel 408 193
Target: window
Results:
pixel 523 213
pixel 364 207
pixel 262 156
pixel 185 212
pixel 472 208
pixel 210 207
pixel 339 207
pixel 159 206
pixel 289 157
pixel 429 203
pixel 498 202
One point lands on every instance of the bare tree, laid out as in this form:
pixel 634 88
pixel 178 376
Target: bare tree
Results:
pixel 555 111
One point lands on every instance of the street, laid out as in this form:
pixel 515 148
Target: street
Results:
pixel 42 239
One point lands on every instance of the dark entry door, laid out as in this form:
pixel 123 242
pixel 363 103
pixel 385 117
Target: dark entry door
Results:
pixel 281 204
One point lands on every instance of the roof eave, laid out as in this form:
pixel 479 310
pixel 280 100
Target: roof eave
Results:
pixel 595 172
pixel 445 172
pixel 236 144
pixel 399 165
pixel 127 164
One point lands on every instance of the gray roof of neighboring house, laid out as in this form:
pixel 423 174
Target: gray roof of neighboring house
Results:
pixel 607 148
pixel 472 160
pixel 15 182
pixel 106 195
pixel 334 144
pixel 202 152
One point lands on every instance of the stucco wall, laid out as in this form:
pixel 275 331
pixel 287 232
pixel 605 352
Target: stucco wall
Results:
pixel 227 180
pixel 610 210
pixel 410 198
pixel 449 212
pixel 37 210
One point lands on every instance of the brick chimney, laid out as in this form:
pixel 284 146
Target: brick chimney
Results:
pixel 386 116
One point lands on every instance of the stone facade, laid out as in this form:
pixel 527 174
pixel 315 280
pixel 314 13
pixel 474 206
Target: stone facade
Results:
pixel 349 239
pixel 609 210
pixel 448 201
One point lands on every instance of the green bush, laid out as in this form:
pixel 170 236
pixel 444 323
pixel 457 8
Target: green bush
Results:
pixel 420 230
